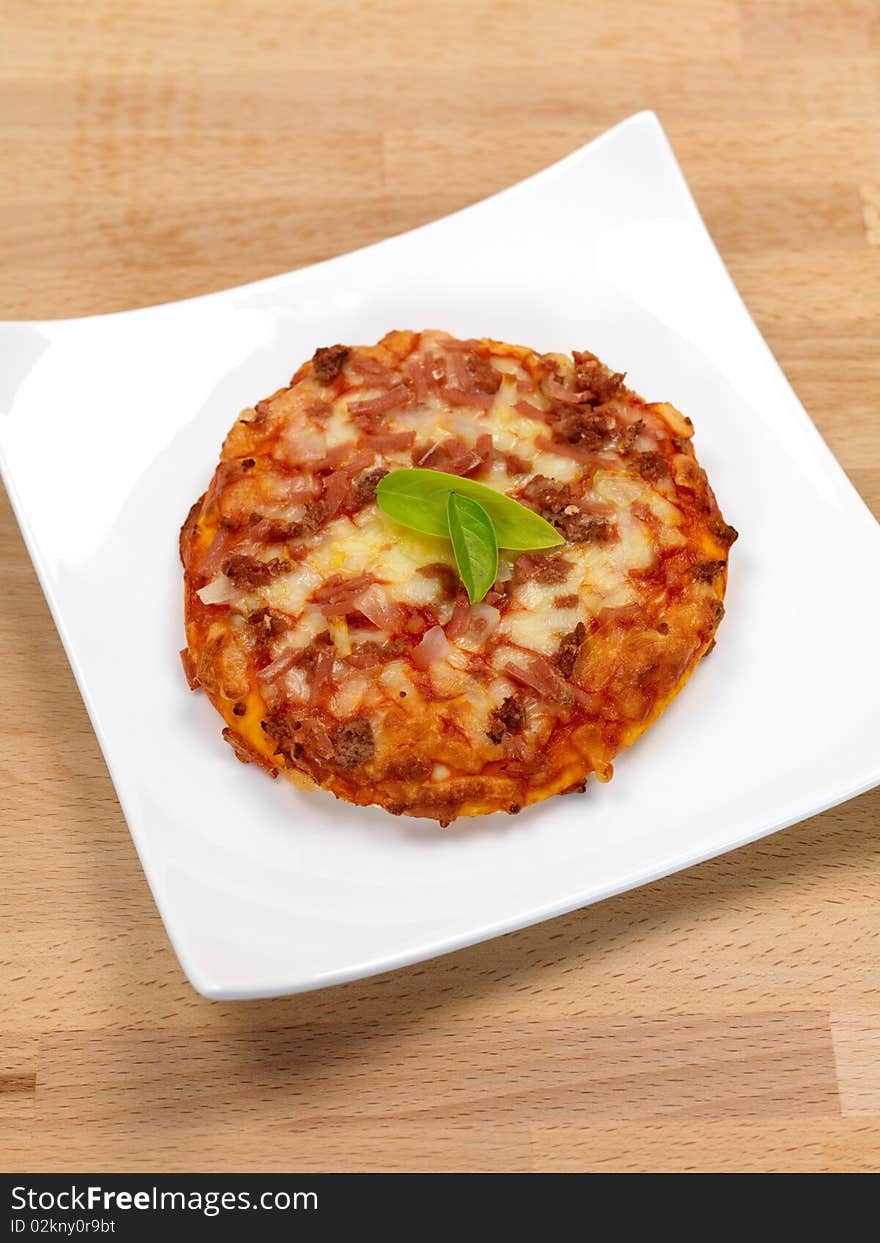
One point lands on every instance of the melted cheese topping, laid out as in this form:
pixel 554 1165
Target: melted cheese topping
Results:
pixel 371 542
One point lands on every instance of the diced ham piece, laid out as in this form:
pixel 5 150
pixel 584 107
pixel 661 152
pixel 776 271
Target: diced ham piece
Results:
pixel 460 620
pixel 539 675
pixel 377 608
pixel 452 456
pixel 486 449
pixel 566 397
pixel 584 456
pixel 546 680
pixel 392 400
pixel 541 568
pixel 529 411
pixel 321 674
pixel 359 461
pixel 222 545
pixel 337 586
pixel 416 373
pixel 332 457
pixel 280 665
pixel 622 615
pixel 314 737
pixel 435 370
pixel 335 492
pixel 433 648
pixel 457 370
pixel 389 442
pixel 526 568
pixel 367 366
pixel 586 699
pixel 339 595
pixel 458 397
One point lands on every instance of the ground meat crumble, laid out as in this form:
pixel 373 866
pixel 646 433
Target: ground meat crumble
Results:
pixel 248 573
pixel 328 361
pixel 354 744
pixel 569 646
pixel 510 718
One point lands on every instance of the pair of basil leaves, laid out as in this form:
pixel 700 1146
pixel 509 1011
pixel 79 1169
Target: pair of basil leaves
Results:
pixel 478 520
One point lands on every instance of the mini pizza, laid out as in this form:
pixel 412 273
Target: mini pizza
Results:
pixel 341 648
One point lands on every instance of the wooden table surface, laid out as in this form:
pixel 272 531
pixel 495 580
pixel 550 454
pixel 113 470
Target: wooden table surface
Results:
pixel 725 1018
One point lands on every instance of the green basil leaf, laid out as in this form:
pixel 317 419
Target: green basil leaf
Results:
pixel 474 544
pixel 417 498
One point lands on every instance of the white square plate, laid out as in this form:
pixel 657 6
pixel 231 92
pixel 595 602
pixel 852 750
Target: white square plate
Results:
pixel 111 426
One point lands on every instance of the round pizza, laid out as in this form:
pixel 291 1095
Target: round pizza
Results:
pixel 343 649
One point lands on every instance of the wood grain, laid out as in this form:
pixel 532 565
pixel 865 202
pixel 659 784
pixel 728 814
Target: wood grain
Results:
pixel 725 1018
